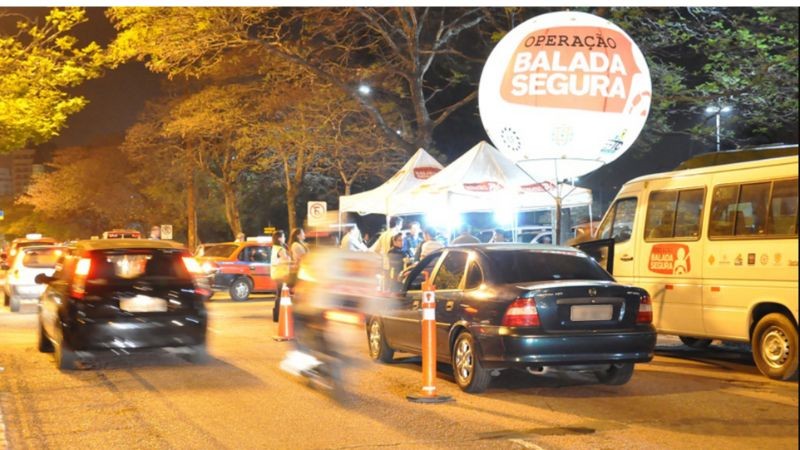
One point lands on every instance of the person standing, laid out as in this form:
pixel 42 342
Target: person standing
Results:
pixel 297 249
pixel 155 232
pixel 239 237
pixel 352 241
pixel 412 240
pixel 384 242
pixel 396 264
pixel 280 264
pixel 430 245
pixel 465 237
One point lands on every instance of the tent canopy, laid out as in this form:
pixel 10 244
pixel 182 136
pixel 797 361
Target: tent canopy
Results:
pixel 384 198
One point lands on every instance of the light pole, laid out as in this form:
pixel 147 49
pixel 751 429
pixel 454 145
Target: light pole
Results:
pixel 717 110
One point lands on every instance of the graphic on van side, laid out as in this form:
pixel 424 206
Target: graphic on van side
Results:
pixel 670 259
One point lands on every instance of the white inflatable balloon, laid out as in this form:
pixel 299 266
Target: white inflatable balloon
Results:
pixel 564 93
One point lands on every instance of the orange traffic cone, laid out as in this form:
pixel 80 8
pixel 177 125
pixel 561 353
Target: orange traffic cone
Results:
pixel 285 318
pixel 428 392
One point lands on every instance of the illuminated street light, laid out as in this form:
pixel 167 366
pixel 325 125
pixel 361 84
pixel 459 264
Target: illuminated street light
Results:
pixel 717 110
pixel 363 89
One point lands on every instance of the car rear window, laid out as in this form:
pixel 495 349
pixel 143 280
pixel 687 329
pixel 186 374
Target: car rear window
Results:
pixel 222 250
pixel 41 257
pixel 521 266
pixel 122 266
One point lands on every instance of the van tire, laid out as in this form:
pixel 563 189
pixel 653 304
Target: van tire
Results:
pixel 774 345
pixel 695 342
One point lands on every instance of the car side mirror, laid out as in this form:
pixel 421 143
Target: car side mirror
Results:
pixel 42 279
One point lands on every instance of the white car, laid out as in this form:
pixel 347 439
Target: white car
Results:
pixel 20 286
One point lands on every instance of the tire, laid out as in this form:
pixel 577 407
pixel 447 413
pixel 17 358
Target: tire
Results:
pixel 65 356
pixel 774 344
pixel 379 349
pixel 470 375
pixel 43 343
pixel 240 289
pixel 5 298
pixel 616 375
pixel 198 354
pixel 695 342
pixel 13 304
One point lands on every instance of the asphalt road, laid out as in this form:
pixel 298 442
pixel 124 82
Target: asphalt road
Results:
pixel 241 399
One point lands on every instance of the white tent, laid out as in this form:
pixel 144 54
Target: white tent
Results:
pixel 484 180
pixel 387 198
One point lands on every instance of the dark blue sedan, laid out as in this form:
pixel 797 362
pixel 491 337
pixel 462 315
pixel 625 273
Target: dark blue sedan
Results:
pixel 502 306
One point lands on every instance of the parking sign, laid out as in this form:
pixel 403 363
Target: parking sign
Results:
pixel 166 232
pixel 317 211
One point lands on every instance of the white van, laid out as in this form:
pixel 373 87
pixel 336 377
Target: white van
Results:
pixel 716 248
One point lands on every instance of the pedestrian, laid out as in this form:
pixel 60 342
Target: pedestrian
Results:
pixel 297 249
pixel 430 244
pixel 384 242
pixel 352 240
pixel 280 266
pixel 412 240
pixel 240 237
pixel 466 236
pixel 155 232
pixel 396 264
pixel 497 236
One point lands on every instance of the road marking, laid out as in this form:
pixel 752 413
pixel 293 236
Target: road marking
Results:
pixel 525 444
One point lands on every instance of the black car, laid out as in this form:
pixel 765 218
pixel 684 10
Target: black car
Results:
pixel 521 306
pixel 122 294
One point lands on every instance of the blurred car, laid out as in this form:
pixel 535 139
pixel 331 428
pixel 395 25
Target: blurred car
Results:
pixel 524 307
pixel 122 234
pixel 28 240
pixel 122 294
pixel 240 268
pixel 19 286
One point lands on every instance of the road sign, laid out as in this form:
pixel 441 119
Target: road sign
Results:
pixel 317 211
pixel 166 231
pixel 269 230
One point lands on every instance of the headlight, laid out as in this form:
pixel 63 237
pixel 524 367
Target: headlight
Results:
pixel 209 267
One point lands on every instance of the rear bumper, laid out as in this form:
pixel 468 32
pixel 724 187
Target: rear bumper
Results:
pixel 500 348
pixel 139 333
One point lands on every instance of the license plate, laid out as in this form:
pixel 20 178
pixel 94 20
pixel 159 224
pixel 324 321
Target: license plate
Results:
pixel 143 303
pixel 583 313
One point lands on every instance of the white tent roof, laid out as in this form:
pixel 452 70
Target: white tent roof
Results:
pixel 385 198
pixel 484 180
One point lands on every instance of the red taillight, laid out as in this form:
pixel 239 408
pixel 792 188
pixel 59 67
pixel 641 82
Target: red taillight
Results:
pixel 645 314
pixel 82 269
pixel 522 313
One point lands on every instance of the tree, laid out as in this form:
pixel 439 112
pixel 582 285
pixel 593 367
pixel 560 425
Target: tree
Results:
pixel 38 65
pixel 408 57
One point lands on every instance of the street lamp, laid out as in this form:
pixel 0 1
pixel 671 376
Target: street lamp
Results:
pixel 717 110
pixel 364 89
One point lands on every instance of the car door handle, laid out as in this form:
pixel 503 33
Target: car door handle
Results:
pixel 415 305
pixel 252 267
pixel 626 258
pixel 449 305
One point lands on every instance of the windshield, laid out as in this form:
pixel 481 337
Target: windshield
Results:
pixel 220 250
pixel 41 257
pixel 526 266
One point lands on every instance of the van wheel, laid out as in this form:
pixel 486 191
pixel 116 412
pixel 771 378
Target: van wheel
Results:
pixel 695 342
pixel 44 344
pixel 616 375
pixel 240 289
pixel 470 375
pixel 774 344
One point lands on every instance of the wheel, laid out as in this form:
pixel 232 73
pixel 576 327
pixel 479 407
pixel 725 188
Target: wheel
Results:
pixel 65 356
pixel 695 342
pixel 5 298
pixel 240 289
pixel 469 374
pixel 616 375
pixel 44 344
pixel 379 349
pixel 774 346
pixel 198 354
pixel 13 304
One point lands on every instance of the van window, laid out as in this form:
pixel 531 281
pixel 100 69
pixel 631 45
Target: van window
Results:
pixel 783 208
pixel 750 209
pixel 674 214
pixel 619 221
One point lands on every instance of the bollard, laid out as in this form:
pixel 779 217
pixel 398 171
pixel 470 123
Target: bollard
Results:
pixel 428 393
pixel 285 317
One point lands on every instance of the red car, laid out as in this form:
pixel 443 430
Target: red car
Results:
pixel 241 268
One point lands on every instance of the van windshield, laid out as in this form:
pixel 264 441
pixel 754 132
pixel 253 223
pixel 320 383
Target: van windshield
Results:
pixel 39 257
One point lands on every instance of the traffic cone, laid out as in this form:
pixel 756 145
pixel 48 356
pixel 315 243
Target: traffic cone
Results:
pixel 285 318
pixel 428 393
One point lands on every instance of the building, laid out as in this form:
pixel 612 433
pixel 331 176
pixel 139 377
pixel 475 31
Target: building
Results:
pixel 16 169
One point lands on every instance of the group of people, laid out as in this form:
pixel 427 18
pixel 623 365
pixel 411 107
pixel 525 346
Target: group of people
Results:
pixel 285 260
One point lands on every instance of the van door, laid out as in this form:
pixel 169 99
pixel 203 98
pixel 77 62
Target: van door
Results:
pixel 619 224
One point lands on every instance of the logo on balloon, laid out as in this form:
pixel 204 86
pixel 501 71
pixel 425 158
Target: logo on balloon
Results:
pixel 565 86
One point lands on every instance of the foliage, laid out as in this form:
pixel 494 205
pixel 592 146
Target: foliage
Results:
pixel 38 65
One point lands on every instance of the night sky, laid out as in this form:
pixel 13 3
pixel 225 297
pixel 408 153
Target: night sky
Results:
pixel 118 97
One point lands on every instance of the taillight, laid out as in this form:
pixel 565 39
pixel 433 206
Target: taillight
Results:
pixel 82 269
pixel 522 313
pixel 645 314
